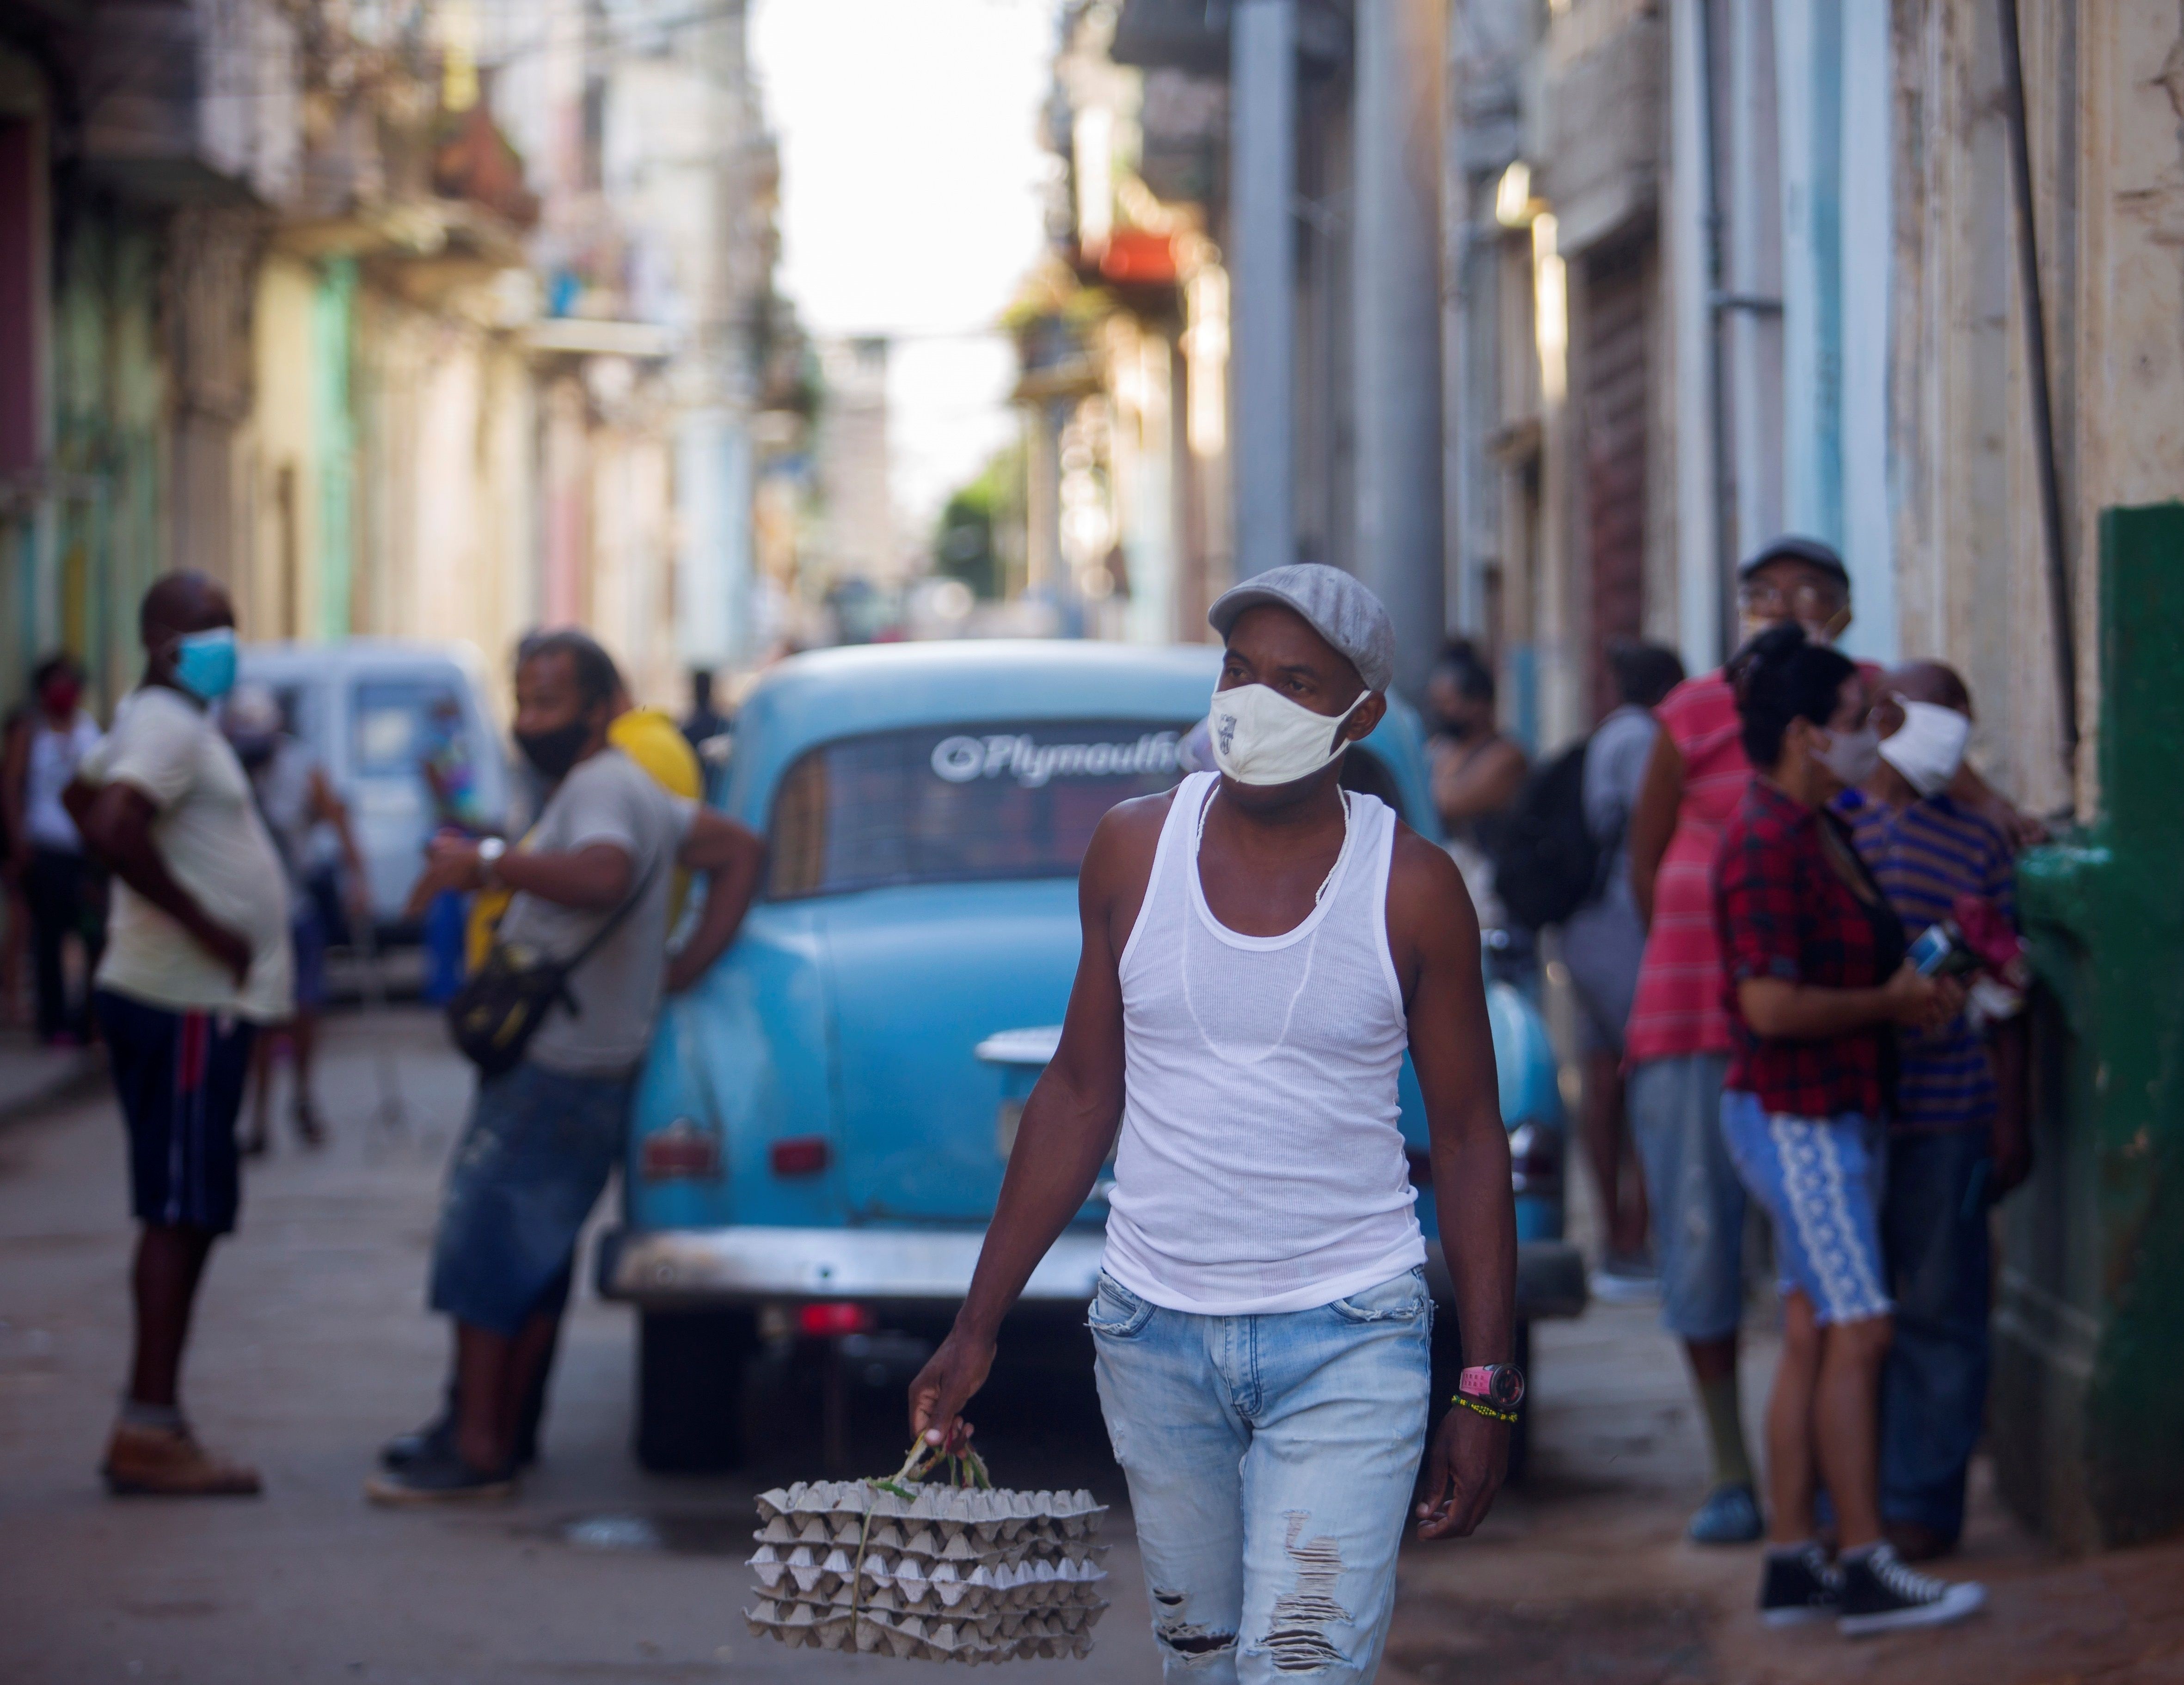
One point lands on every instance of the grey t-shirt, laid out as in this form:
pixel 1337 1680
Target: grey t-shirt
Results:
pixel 1602 941
pixel 1615 767
pixel 607 799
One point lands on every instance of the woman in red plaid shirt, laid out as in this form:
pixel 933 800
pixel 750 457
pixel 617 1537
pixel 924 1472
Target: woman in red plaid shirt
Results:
pixel 1816 983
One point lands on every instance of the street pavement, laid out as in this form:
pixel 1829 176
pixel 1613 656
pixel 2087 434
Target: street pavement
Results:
pixel 312 1344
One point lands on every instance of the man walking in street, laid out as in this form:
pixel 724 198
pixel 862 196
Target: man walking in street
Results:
pixel 594 877
pixel 1260 947
pixel 196 958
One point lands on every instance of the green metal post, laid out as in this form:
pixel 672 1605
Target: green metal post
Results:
pixel 2088 1408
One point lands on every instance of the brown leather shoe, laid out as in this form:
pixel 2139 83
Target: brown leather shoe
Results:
pixel 167 1462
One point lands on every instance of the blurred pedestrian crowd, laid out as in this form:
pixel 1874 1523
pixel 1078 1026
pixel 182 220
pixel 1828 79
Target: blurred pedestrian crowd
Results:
pixel 1782 900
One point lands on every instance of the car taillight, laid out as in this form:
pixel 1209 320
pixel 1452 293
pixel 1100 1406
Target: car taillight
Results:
pixel 824 1320
pixel 799 1155
pixel 682 1152
pixel 1535 1159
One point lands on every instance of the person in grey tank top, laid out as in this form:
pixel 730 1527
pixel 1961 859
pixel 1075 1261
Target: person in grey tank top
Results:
pixel 1260 949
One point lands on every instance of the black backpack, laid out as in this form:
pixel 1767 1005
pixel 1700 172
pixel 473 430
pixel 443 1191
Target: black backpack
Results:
pixel 1546 862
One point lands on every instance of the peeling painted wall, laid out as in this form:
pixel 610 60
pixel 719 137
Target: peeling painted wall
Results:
pixel 2104 89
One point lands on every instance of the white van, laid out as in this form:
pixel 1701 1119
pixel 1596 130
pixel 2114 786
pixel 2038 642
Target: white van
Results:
pixel 389 718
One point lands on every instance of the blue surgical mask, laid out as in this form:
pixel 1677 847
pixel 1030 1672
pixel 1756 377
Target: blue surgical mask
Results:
pixel 204 663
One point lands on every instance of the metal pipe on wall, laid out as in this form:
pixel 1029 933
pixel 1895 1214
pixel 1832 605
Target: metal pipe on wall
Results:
pixel 1395 325
pixel 2061 616
pixel 1262 279
pixel 1694 240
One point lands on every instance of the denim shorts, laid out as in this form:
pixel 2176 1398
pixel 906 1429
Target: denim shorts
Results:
pixel 537 1153
pixel 1697 1202
pixel 1819 1179
pixel 1270 1459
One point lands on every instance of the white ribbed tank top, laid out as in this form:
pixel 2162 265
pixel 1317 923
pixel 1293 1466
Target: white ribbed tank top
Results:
pixel 1260 1162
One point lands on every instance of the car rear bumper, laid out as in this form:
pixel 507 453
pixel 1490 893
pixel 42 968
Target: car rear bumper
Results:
pixel 756 1265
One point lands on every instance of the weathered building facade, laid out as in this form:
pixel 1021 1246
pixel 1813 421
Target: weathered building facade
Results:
pixel 418 320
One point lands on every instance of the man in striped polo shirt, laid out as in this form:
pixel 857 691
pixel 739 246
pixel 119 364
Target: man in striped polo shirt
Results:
pixel 1958 1138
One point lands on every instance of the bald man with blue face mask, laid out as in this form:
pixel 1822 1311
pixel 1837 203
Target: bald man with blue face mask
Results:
pixel 197 958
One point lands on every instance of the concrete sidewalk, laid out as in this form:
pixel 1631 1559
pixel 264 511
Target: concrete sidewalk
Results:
pixel 34 1077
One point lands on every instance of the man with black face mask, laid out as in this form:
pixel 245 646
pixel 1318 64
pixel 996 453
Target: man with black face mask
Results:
pixel 543 1136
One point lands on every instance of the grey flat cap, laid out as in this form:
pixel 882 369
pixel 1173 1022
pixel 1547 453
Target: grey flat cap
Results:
pixel 1790 547
pixel 1332 603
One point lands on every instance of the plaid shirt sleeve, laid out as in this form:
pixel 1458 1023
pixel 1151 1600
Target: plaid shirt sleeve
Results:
pixel 1757 900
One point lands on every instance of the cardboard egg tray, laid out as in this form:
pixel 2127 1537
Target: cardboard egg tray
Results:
pixel 940 1573
pixel 875 1632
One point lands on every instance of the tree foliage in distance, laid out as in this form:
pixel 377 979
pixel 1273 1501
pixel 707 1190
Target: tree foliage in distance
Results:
pixel 969 542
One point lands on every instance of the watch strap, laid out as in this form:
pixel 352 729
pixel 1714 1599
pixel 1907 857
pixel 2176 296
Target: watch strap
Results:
pixel 1478 1381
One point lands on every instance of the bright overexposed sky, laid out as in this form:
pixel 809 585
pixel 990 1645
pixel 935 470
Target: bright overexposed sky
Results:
pixel 911 202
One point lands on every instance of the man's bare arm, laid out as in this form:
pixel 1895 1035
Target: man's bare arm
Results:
pixel 2023 830
pixel 1486 782
pixel 1067 1130
pixel 115 821
pixel 1653 820
pixel 1452 1049
pixel 735 857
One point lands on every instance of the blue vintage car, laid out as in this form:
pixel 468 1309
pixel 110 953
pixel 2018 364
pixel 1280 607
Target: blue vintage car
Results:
pixel 820 1133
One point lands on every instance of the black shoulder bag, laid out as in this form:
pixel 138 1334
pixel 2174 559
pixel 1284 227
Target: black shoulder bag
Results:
pixel 499 1009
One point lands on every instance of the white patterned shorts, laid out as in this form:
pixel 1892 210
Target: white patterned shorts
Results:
pixel 1819 1179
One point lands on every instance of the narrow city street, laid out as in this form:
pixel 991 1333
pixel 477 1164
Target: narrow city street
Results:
pixel 312 1345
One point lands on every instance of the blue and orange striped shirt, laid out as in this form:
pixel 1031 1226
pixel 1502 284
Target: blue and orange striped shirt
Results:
pixel 1923 857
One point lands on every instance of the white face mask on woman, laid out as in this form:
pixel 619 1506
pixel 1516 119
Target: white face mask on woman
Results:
pixel 1852 756
pixel 1260 736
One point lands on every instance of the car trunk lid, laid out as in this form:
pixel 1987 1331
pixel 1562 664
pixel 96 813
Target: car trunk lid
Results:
pixel 919 977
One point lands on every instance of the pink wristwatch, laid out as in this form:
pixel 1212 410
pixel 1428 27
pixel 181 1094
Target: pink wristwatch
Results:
pixel 1499 1384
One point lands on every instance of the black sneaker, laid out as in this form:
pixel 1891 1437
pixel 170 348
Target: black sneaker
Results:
pixel 435 1439
pixel 1880 1594
pixel 1798 1584
pixel 439 1479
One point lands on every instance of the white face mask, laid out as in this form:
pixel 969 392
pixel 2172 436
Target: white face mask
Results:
pixel 1929 747
pixel 1852 756
pixel 1260 736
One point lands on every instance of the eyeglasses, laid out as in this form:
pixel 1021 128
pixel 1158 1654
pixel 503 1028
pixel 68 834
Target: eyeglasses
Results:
pixel 1805 601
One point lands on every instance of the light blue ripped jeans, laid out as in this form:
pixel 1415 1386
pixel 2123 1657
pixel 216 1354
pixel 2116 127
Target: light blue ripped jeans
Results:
pixel 1271 1461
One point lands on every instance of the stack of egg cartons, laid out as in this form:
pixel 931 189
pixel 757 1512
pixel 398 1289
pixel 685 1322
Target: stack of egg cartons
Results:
pixel 939 1572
